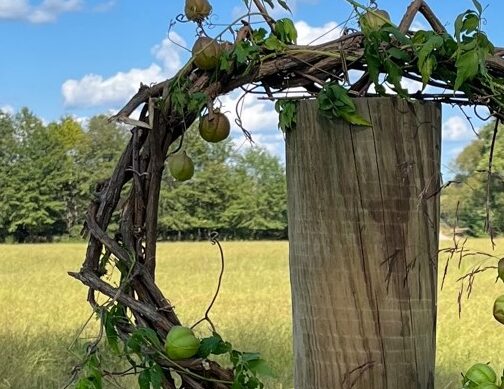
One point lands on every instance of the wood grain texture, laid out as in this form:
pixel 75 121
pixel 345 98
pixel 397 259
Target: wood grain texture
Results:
pixel 363 237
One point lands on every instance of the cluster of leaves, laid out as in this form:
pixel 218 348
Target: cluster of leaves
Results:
pixel 271 3
pixel 247 367
pixel 244 55
pixel 287 113
pixel 383 56
pixel 390 52
pixel 183 102
pixel 334 103
pixel 473 47
pixel 145 354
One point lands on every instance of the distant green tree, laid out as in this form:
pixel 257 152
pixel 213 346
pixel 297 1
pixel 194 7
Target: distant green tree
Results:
pixel 32 194
pixel 260 206
pixel 240 195
pixel 8 158
pixel 50 172
pixel 198 205
pixel 73 142
pixel 94 162
pixel 469 194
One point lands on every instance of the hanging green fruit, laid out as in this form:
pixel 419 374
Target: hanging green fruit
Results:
pixel 197 10
pixel 374 19
pixel 181 166
pixel 479 374
pixel 206 53
pixel 498 309
pixel 214 129
pixel 181 343
pixel 500 269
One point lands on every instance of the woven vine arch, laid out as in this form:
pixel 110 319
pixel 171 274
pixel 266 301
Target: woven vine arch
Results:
pixel 162 122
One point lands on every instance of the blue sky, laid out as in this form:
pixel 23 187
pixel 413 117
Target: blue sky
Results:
pixel 82 57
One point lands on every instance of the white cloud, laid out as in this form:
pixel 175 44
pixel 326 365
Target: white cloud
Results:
pixel 7 109
pixel 259 118
pixel 46 11
pixel 456 128
pixel 308 34
pixel 169 53
pixel 256 115
pixel 94 90
pixel 82 120
pixel 105 6
pixel 13 9
pixel 418 25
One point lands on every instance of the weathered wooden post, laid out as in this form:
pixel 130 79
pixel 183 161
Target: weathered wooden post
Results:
pixel 363 238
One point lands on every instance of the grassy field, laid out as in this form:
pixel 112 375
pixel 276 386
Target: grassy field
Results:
pixel 41 308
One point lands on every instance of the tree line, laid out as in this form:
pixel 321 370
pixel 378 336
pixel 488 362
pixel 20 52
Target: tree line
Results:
pixel 49 174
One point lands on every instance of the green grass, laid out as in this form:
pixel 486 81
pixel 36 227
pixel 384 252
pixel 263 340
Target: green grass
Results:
pixel 41 308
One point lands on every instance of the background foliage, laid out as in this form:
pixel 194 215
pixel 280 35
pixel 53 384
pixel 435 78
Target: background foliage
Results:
pixel 49 173
pixel 463 203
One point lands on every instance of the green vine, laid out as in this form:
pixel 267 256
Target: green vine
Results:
pixel 458 62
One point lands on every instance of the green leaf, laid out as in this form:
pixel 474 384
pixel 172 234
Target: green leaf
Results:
pixel 272 43
pixel 287 114
pixel 224 63
pixel 471 23
pixel 459 22
pixel 259 35
pixel 236 385
pixel 247 357
pixel 156 376
pixel 110 331
pixel 85 383
pixel 484 43
pixel 261 367
pixel 270 3
pixel 286 31
pixel 394 76
pixel 467 68
pixel 355 119
pixel 150 335
pixel 396 53
pixel 213 345
pixel 144 379
pixel 245 52
pixel 197 101
pixel 478 6
pixel 401 37
pixel 143 336
pixel 284 5
pixel 235 357
pixel 427 68
pixel 373 65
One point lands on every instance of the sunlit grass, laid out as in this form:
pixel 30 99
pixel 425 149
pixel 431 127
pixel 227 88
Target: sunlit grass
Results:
pixel 42 308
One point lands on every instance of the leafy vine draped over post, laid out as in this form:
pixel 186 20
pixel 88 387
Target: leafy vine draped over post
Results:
pixel 465 68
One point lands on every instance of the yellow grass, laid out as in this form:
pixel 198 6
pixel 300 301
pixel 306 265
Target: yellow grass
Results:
pixel 41 308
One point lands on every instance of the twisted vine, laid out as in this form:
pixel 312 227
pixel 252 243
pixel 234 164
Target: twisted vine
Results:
pixel 137 313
